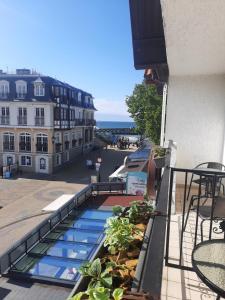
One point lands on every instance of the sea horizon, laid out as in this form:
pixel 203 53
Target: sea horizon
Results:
pixel 115 124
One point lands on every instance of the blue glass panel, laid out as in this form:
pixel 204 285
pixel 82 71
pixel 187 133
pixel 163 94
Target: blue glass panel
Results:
pixel 85 224
pixel 89 224
pixel 76 235
pixel 71 250
pixel 96 214
pixel 56 268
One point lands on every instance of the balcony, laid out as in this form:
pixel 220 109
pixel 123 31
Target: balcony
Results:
pixel 8 146
pixel 24 147
pixel 79 122
pixel 4 120
pixel 40 121
pixel 90 122
pixel 42 148
pixel 58 147
pixel 22 120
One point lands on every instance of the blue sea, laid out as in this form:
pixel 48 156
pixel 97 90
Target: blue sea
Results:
pixel 114 124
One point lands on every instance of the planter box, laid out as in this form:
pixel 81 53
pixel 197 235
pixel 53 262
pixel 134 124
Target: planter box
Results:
pixel 160 162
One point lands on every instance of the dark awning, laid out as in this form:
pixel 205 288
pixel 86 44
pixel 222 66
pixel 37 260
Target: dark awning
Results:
pixel 148 36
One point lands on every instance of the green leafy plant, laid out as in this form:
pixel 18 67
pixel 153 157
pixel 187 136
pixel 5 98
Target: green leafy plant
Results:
pixel 98 276
pixel 140 211
pixel 99 293
pixel 117 210
pixel 119 235
pixel 159 151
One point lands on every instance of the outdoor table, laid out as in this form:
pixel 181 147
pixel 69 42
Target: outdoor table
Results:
pixel 211 175
pixel 208 260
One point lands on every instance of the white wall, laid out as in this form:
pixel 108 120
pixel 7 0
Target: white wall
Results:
pixel 195 118
pixel 31 112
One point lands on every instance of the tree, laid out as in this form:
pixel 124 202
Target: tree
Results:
pixel 145 107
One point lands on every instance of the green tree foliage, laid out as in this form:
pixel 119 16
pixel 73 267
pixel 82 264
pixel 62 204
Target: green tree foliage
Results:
pixel 145 107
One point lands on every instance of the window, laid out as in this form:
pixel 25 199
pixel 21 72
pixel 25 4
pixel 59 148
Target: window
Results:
pixel 62 113
pixel 42 143
pixel 4 89
pixel 22 116
pixel 25 142
pixel 40 116
pixel 21 88
pixel 4 116
pixel 66 141
pixel 9 160
pixel 39 87
pixel 25 160
pixel 79 97
pixel 65 92
pixel 42 164
pixel 56 113
pixel 8 141
pixel 74 140
pixel 39 90
pixel 56 91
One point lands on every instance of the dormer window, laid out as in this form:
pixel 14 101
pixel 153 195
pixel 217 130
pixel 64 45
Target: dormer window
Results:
pixel 39 87
pixel 21 88
pixel 79 97
pixel 4 89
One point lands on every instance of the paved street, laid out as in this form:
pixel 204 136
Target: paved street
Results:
pixel 22 199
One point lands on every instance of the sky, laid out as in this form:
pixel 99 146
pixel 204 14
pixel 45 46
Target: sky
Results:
pixel 86 43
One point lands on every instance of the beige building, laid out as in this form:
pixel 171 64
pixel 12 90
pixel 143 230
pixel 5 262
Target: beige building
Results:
pixel 44 123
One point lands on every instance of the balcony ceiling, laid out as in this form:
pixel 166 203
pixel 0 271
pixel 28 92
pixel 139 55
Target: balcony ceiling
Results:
pixel 195 36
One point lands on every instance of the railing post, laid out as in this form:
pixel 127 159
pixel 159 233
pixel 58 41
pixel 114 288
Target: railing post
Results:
pixel 169 216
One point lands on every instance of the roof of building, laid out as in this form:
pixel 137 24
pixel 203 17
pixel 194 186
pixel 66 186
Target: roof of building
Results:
pixel 32 78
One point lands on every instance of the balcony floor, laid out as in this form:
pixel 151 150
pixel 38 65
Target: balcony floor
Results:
pixel 180 284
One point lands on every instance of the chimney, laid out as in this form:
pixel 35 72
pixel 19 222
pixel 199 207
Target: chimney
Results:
pixel 22 72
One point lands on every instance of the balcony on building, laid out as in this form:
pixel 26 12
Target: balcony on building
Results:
pixel 90 122
pixel 42 147
pixel 8 146
pixel 58 147
pixel 22 120
pixel 25 147
pixel 39 121
pixel 4 120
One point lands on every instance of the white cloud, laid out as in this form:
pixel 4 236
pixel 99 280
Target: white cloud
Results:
pixel 112 110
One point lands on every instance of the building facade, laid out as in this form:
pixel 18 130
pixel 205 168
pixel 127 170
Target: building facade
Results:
pixel 44 123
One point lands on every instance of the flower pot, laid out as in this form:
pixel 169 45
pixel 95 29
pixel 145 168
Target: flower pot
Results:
pixel 160 162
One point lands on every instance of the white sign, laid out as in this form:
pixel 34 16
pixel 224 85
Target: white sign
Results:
pixel 136 183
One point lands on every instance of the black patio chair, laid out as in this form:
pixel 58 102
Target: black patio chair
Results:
pixel 206 184
pixel 216 212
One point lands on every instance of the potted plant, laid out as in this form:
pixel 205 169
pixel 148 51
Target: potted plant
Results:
pixel 159 157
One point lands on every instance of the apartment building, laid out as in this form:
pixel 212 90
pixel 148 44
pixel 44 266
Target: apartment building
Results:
pixel 44 123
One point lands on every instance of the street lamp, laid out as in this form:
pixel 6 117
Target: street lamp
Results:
pixel 97 167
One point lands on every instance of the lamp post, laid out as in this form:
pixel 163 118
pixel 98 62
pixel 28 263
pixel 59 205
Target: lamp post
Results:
pixel 97 167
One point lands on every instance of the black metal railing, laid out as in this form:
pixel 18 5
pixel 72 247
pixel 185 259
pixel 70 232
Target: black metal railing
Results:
pixel 42 147
pixel 206 186
pixel 22 120
pixel 25 147
pixel 58 147
pixel 151 275
pixel 4 120
pixel 8 146
pixel 22 247
pixel 39 121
